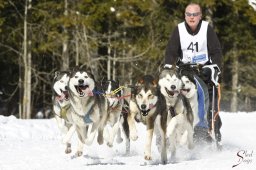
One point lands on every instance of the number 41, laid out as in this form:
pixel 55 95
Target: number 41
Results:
pixel 193 46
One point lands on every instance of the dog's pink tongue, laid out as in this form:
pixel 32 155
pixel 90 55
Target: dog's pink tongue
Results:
pixel 184 92
pixel 151 106
pixel 88 92
pixel 60 97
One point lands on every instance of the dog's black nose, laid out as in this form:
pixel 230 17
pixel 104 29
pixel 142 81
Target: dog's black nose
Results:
pixel 81 81
pixel 66 87
pixel 173 87
pixel 143 106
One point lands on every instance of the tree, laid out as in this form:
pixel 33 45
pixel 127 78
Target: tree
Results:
pixel 238 49
pixel 25 110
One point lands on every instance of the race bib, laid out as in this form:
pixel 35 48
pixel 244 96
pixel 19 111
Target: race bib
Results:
pixel 199 58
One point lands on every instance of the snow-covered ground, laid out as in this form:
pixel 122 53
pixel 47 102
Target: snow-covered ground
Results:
pixel 36 145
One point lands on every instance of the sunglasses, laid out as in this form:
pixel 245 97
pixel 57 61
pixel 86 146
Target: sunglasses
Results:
pixel 192 14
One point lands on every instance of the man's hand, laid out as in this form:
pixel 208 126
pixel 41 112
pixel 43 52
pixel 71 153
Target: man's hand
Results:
pixel 211 73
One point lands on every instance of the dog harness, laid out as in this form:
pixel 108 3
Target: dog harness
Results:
pixel 63 113
pixel 172 111
pixel 86 118
pixel 172 108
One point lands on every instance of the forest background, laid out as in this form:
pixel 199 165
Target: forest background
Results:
pixel 117 39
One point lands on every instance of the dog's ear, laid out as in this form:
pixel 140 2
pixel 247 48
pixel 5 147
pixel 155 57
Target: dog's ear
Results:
pixel 74 69
pixel 154 83
pixel 160 68
pixel 117 81
pixel 140 82
pixel 56 74
pixel 68 72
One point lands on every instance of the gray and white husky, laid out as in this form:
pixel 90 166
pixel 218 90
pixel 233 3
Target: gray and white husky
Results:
pixel 117 114
pixel 89 110
pixel 61 104
pixel 180 116
pixel 147 105
pixel 189 90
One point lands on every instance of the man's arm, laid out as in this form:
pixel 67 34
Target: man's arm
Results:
pixel 173 50
pixel 214 47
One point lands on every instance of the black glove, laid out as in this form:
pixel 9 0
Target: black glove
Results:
pixel 210 74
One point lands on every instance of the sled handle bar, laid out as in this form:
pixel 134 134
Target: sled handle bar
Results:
pixel 190 64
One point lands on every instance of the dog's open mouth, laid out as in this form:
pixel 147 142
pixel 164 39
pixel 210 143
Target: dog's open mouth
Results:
pixel 171 92
pixel 81 89
pixel 64 96
pixel 185 90
pixel 145 112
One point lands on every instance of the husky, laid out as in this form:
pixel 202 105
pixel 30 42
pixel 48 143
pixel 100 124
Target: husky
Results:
pixel 180 117
pixel 89 110
pixel 189 90
pixel 61 104
pixel 206 80
pixel 147 105
pixel 117 114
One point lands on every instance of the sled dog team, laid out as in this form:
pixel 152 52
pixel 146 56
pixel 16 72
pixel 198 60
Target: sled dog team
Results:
pixel 167 105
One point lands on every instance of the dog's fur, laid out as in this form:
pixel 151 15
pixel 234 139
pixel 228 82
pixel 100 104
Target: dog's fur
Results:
pixel 147 105
pixel 180 116
pixel 89 110
pixel 189 90
pixel 61 104
pixel 117 114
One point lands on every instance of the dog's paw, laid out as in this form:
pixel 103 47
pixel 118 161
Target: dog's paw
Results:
pixel 147 157
pixel 219 146
pixel 68 149
pixel 110 144
pixel 133 136
pixel 100 140
pixel 119 140
pixel 78 153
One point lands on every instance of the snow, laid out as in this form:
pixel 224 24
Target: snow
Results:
pixel 36 145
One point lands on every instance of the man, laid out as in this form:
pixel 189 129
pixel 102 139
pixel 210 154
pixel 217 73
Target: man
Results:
pixel 194 41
